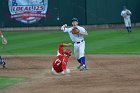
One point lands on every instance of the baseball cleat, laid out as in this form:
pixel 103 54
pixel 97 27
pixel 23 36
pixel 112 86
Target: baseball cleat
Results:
pixel 82 68
pixel 79 66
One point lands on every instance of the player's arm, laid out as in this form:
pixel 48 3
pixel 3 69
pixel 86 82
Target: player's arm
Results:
pixel 64 64
pixel 83 32
pixel 121 14
pixel 67 45
pixel 65 29
pixel 64 67
pixel 60 47
pixel 129 12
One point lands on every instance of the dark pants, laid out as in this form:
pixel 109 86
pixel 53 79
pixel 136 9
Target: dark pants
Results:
pixel 1 60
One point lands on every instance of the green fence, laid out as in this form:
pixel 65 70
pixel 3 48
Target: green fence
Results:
pixel 62 11
pixel 108 11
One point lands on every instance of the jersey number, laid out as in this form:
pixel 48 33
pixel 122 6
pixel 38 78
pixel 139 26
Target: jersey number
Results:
pixel 57 62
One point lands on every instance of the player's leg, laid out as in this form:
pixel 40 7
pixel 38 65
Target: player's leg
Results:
pixel 53 71
pixel 76 52
pixel 2 62
pixel 126 24
pixel 129 23
pixel 82 55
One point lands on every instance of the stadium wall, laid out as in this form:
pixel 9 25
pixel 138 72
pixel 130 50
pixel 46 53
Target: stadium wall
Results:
pixel 108 11
pixel 89 12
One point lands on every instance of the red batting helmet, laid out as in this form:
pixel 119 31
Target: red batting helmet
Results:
pixel 68 52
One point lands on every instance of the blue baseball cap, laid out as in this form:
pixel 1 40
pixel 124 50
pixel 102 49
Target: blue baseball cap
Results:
pixel 74 19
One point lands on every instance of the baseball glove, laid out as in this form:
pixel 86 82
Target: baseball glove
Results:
pixel 75 30
pixel 4 41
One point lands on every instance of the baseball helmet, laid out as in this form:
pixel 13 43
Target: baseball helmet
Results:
pixel 75 19
pixel 68 52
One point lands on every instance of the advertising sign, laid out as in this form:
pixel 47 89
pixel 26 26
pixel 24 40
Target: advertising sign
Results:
pixel 28 11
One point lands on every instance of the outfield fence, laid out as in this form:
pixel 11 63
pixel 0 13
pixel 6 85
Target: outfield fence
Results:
pixel 44 13
pixel 57 28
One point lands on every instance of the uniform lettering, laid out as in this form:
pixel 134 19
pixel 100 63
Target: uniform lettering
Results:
pixel 57 62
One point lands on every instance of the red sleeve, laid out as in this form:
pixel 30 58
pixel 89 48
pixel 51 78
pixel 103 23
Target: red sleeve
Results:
pixel 64 63
pixel 60 48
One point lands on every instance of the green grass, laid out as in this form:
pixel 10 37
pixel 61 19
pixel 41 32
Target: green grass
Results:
pixel 113 42
pixel 9 81
pixel 109 41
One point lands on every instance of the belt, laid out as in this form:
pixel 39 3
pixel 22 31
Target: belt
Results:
pixel 79 42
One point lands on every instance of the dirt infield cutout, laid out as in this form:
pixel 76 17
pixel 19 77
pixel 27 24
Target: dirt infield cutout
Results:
pixel 106 74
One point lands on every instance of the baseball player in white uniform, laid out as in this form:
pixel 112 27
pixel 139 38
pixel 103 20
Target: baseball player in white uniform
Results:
pixel 126 15
pixel 4 42
pixel 79 42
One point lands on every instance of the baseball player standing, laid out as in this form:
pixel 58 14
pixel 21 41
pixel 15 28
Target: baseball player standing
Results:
pixel 126 15
pixel 79 42
pixel 4 42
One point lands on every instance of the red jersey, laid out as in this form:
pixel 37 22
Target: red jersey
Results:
pixel 60 62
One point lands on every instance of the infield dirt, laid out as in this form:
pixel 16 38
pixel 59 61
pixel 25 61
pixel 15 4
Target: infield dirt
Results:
pixel 106 74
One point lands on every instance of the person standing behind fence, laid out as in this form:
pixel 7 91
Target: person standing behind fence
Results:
pixel 126 15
